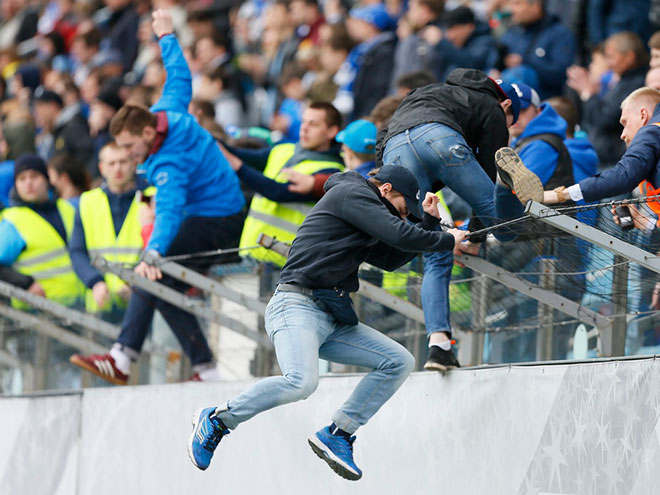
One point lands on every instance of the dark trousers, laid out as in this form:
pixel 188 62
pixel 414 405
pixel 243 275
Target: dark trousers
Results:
pixel 196 234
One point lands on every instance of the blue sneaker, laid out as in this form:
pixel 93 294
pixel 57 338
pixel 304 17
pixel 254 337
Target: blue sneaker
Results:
pixel 205 437
pixel 337 451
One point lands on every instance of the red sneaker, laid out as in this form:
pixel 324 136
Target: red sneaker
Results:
pixel 102 366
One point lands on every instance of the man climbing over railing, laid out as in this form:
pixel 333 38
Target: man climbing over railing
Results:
pixel 311 314
pixel 199 207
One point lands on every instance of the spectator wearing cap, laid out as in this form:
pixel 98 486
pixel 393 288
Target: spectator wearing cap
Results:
pixel 538 138
pixel 465 42
pixel 365 76
pixel 63 128
pixel 448 134
pixel 101 111
pixel 538 42
pixel 34 234
pixel 626 57
pixel 413 52
pixel 358 142
pixel 311 313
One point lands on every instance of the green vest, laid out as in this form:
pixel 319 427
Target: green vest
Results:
pixel 102 240
pixel 45 257
pixel 279 220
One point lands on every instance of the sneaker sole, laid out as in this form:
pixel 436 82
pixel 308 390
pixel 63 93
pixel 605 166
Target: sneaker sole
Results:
pixel 94 370
pixel 195 419
pixel 526 183
pixel 438 367
pixel 319 448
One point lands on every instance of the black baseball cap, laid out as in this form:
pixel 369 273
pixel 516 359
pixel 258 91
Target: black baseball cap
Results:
pixel 459 16
pixel 404 182
pixel 47 96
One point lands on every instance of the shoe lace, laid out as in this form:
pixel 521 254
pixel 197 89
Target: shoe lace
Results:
pixel 347 444
pixel 212 440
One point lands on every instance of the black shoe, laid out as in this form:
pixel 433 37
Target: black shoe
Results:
pixel 440 360
pixel 517 177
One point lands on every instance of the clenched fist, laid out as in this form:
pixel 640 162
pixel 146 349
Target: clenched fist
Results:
pixel 162 22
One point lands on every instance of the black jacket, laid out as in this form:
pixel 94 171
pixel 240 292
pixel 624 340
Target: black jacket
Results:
pixel 468 103
pixel 352 224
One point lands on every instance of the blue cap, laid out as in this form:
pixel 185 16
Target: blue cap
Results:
pixel 373 14
pixel 527 95
pixel 404 182
pixel 359 136
pixel 512 95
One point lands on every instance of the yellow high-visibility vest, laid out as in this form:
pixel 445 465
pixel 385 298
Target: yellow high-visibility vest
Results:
pixel 279 220
pixel 45 257
pixel 102 240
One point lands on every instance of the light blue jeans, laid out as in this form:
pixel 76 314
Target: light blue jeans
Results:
pixel 435 152
pixel 302 333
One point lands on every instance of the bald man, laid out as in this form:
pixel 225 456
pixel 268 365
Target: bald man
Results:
pixel 640 118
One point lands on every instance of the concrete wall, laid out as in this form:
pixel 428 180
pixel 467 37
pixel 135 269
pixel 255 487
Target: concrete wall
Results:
pixel 558 429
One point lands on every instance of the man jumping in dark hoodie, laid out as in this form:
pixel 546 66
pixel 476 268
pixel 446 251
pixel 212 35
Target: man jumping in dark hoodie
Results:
pixel 447 134
pixel 311 316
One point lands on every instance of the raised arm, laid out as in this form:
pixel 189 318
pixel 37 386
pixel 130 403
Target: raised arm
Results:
pixel 177 91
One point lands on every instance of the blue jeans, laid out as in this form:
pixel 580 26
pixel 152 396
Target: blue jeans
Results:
pixel 437 153
pixel 302 333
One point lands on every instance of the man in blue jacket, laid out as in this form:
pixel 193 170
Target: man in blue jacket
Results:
pixel 540 42
pixel 640 118
pixel 199 207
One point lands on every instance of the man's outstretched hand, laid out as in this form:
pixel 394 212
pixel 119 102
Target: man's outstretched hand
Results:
pixel 162 22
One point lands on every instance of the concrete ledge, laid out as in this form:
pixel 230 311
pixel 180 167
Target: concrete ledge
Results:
pixel 563 429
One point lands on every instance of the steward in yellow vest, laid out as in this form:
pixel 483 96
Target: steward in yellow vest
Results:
pixel 275 210
pixel 108 225
pixel 33 237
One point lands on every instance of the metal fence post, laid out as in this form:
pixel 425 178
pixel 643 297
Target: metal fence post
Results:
pixel 471 350
pixel 613 338
pixel 544 335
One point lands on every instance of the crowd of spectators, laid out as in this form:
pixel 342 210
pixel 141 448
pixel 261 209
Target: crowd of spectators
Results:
pixel 66 68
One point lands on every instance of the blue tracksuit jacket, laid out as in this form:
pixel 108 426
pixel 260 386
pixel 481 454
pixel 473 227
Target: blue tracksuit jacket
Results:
pixel 192 175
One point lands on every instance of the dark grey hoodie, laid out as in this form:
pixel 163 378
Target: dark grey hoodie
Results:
pixel 352 223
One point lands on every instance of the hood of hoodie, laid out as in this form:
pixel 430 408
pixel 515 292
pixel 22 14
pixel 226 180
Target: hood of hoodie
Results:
pixel 343 178
pixel 546 122
pixel 584 156
pixel 354 179
pixel 474 79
